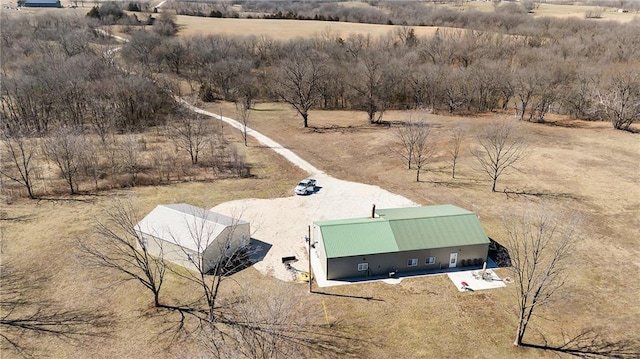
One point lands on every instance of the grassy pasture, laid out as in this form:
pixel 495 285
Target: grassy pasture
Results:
pixel 582 166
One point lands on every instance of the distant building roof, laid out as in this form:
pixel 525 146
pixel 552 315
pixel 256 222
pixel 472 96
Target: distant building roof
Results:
pixel 186 225
pixel 402 229
pixel 40 3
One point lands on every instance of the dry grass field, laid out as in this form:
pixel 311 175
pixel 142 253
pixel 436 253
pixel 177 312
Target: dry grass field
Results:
pixel 284 29
pixel 586 167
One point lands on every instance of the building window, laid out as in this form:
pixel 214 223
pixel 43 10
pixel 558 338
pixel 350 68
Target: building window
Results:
pixel 412 262
pixel 363 266
pixel 430 260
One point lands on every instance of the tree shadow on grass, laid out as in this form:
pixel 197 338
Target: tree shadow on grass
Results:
pixel 347 296
pixel 27 312
pixel 551 195
pixel 590 344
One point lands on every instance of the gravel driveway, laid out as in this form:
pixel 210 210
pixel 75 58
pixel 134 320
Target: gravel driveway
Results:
pixel 283 222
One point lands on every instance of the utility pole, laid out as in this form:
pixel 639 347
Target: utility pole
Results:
pixel 309 244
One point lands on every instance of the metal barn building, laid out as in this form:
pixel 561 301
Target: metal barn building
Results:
pixel 400 240
pixel 190 236
pixel 39 3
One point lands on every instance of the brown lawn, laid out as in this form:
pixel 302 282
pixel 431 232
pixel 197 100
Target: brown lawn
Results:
pixel 586 167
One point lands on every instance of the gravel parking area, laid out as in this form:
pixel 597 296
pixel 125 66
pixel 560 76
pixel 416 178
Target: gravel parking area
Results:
pixel 283 222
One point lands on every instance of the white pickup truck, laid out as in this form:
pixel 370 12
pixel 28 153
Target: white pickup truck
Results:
pixel 306 186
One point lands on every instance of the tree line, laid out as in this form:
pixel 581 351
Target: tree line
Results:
pixel 74 116
pixel 580 68
pixel 63 76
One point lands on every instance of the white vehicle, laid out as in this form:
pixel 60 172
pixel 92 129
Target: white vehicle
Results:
pixel 306 186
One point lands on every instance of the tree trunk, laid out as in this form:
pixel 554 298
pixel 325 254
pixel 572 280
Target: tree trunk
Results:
pixel 519 334
pixel 305 120
pixel 418 175
pixel 30 190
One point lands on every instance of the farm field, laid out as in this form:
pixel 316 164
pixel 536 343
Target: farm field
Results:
pixel 557 10
pixel 284 29
pixel 345 146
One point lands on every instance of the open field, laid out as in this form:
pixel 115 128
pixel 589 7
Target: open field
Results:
pixel 556 10
pixel 587 167
pixel 284 29
pixel 287 29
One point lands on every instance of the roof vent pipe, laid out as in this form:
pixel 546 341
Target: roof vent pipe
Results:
pixel 373 211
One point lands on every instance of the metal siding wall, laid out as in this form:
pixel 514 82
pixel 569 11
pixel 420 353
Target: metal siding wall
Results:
pixel 170 252
pixel 319 246
pixel 215 249
pixel 382 264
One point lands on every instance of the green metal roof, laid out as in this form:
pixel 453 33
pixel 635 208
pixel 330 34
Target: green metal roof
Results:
pixel 421 212
pixel 353 237
pixel 402 229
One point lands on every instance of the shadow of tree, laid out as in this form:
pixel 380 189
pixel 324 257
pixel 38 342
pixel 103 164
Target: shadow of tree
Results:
pixel 590 344
pixel 519 193
pixel 499 254
pixel 26 312
pixel 347 296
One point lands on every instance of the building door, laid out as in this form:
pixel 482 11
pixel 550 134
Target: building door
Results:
pixel 453 259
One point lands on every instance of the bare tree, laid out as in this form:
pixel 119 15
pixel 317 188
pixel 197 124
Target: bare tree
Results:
pixel 65 148
pixel 424 147
pixel 92 160
pixel 21 151
pixel 278 322
pixel 297 80
pixel 243 108
pixel 101 113
pixel 414 144
pixel 219 253
pixel 457 136
pixel 368 84
pixel 122 249
pixel 501 147
pixel 620 97
pixel 190 133
pixel 456 89
pixel 539 245
pixel 405 143
pixel 130 150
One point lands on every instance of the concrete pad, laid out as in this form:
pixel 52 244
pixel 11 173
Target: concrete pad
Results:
pixel 474 281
